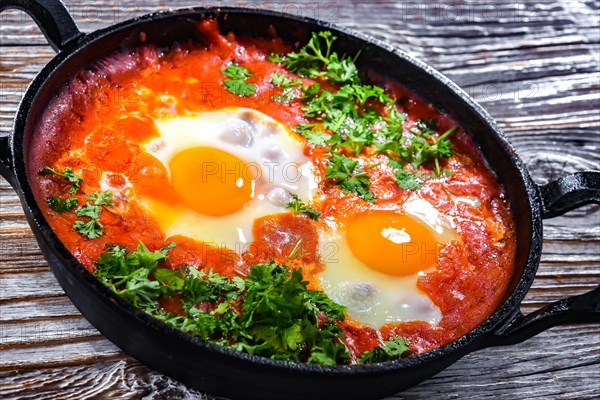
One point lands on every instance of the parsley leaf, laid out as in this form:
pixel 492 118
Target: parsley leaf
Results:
pixel 236 71
pixel 291 88
pixel 354 136
pixel 348 175
pixel 172 280
pixel 238 84
pixel 341 70
pixel 316 59
pixel 62 205
pixel 103 198
pixel 117 262
pixel 390 350
pixel 141 291
pixel 91 209
pixel 196 323
pixel 282 80
pixel 91 229
pixel 407 180
pixel 422 151
pixel 313 133
pixel 326 305
pixel 68 174
pixel 425 127
pixel 240 87
pixel 298 206
pixel 417 151
pixel 329 352
pixel 88 210
pixel 275 58
pixel 270 313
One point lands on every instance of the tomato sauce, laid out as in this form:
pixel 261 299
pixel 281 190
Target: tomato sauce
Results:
pixel 99 121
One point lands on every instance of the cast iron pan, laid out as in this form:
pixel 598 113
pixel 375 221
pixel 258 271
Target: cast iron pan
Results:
pixel 221 371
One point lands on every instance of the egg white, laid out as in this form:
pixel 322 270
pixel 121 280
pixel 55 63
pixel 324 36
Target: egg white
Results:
pixel 376 298
pixel 268 150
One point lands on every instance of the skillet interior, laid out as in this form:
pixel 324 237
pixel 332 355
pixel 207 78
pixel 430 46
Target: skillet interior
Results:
pixel 221 370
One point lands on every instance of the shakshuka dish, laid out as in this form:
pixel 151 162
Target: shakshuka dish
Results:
pixel 274 199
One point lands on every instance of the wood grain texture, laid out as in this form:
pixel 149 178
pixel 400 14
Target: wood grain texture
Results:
pixel 535 66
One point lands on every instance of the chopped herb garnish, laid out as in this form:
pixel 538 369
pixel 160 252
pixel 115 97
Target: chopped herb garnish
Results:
pixel 92 229
pixel 354 137
pixel 240 87
pixel 103 198
pixel 237 83
pixel 127 273
pixel 291 88
pixel 270 313
pixel 316 59
pixel 62 205
pixel 68 174
pixel 313 133
pixel 348 175
pixel 296 251
pixel 298 206
pixel 329 352
pixel 236 71
pixel 275 58
pixel 88 210
pixel 425 127
pixel 407 180
pixel 390 350
pixel 348 120
pixel 326 305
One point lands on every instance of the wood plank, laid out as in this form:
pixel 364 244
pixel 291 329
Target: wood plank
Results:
pixel 72 352
pixel 534 66
pixel 44 333
pixel 28 285
pixel 38 309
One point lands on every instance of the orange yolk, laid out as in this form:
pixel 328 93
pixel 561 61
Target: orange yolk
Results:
pixel 391 243
pixel 211 181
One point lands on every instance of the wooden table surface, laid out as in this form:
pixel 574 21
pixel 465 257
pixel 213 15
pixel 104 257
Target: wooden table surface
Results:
pixel 533 65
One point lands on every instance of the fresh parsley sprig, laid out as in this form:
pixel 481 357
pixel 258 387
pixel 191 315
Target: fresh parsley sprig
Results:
pixel 269 313
pixel 92 228
pixel 290 88
pixel 316 59
pixel 237 84
pixel 68 174
pixel 313 133
pixel 128 274
pixel 416 152
pixel 298 206
pixel 62 205
pixel 391 349
pixel 348 120
pixel 348 174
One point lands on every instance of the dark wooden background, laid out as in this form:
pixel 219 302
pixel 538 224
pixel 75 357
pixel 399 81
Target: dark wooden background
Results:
pixel 533 65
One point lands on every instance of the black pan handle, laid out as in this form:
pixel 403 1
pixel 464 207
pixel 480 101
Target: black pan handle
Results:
pixel 60 30
pixel 558 197
pixel 570 192
pixel 6 169
pixel 52 17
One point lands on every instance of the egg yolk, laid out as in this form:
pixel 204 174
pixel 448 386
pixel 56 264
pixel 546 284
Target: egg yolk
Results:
pixel 211 181
pixel 391 243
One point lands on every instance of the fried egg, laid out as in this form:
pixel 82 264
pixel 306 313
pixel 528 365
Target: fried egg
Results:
pixel 373 263
pixel 227 168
